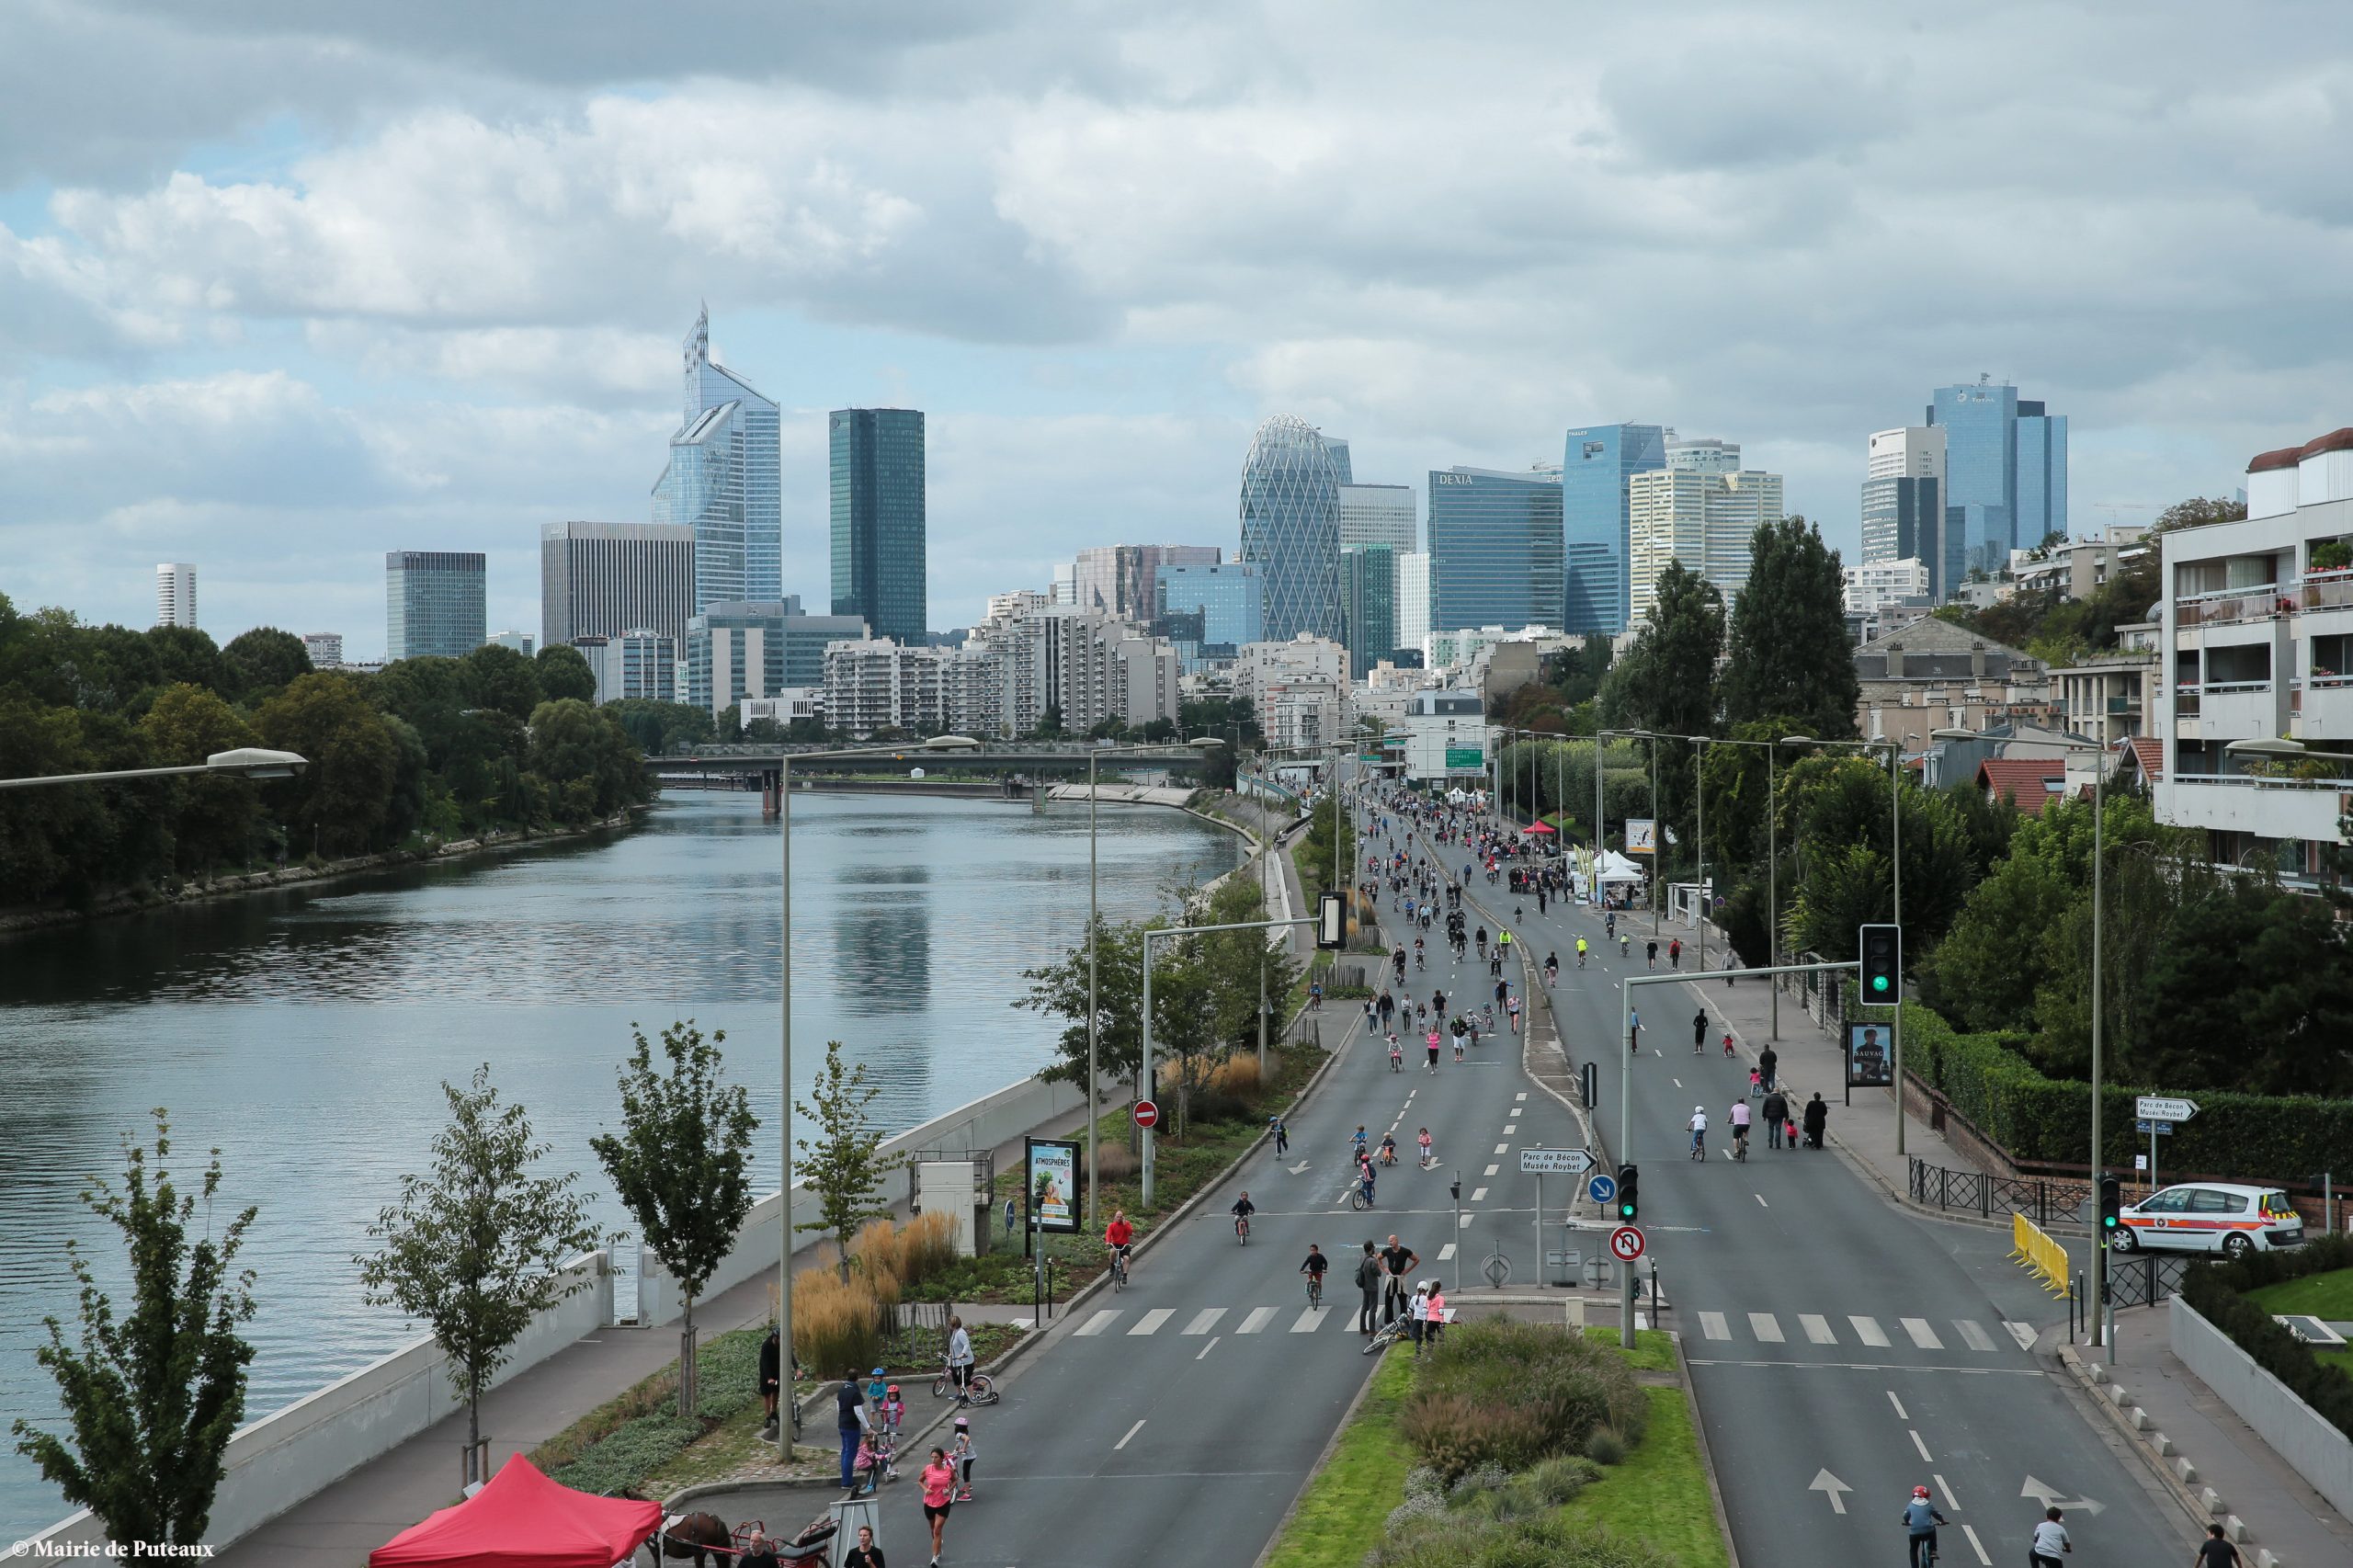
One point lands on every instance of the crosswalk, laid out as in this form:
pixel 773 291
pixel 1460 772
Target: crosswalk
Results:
pixel 1869 1333
pixel 1222 1320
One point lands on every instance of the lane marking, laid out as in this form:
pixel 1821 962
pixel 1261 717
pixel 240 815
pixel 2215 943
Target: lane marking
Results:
pixel 1972 1336
pixel 2021 1332
pixel 1975 1545
pixel 1312 1318
pixel 1131 1432
pixel 1678 1083
pixel 1817 1328
pixel 1923 1334
pixel 1511 1128
pixel 1869 1329
pixel 1760 1201
pixel 1204 1320
pixel 1478 1195
pixel 1926 1457
pixel 1871 1366
pixel 1097 1323
pixel 1502 1148
pixel 1712 1325
pixel 1521 1096
pixel 1765 1326
pixel 1466 1221
pixel 1210 1346
pixel 1491 1170
pixel 1900 1415
pixel 1446 1252
pixel 1150 1323
pixel 1256 1320
pixel 1944 1490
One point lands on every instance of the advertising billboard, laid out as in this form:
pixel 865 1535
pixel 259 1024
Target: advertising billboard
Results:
pixel 1871 1055
pixel 1642 836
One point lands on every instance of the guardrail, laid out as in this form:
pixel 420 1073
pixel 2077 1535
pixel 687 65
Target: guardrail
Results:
pixel 2034 1247
pixel 2043 1199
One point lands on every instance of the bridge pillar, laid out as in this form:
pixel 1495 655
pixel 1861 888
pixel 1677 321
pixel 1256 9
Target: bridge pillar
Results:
pixel 771 794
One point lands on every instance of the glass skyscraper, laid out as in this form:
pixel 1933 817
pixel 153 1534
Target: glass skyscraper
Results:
pixel 1368 605
pixel 881 571
pixel 435 603
pixel 1495 548
pixel 1290 527
pixel 1230 598
pixel 2005 474
pixel 725 480
pixel 1598 460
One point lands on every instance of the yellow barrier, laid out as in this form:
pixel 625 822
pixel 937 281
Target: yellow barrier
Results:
pixel 2030 1246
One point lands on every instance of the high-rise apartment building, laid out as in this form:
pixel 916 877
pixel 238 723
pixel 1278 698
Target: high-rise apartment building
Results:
pixel 603 579
pixel 435 603
pixel 1703 511
pixel 1338 446
pixel 638 663
pixel 1291 525
pixel 1121 580
pixel 734 650
pixel 881 573
pixel 1380 514
pixel 1082 667
pixel 1413 598
pixel 726 482
pixel 1596 465
pixel 175 593
pixel 1495 556
pixel 2005 474
pixel 326 649
pixel 1368 605
pixel 1903 517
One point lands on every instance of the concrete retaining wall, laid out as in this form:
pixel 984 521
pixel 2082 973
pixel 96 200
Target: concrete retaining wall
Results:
pixel 2312 1447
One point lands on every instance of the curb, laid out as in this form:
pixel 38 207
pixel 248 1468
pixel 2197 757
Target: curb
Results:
pixel 1707 1458
pixel 2176 1473
pixel 1323 1459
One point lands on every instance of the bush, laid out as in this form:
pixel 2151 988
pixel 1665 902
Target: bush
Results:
pixel 908 1253
pixel 638 1432
pixel 836 1323
pixel 1456 1433
pixel 1512 1393
pixel 1116 1162
pixel 1469 1541
pixel 2213 1289
pixel 1557 1479
pixel 1603 1446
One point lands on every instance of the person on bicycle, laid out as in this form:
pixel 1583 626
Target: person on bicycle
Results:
pixel 1119 1237
pixel 1738 1117
pixel 1241 1210
pixel 1361 1139
pixel 1482 941
pixel 1698 1132
pixel 1625 943
pixel 1609 924
pixel 1364 1180
pixel 1396 1056
pixel 1580 952
pixel 1920 1522
pixel 1313 1268
pixel 1389 1148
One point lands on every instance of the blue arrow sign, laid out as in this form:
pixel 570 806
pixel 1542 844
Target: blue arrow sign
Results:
pixel 1601 1189
pixel 2164 1128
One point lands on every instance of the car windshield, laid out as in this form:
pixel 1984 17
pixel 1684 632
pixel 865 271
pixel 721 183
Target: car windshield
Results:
pixel 2277 1206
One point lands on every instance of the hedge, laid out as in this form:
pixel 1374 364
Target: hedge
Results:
pixel 2043 1121
pixel 2215 1290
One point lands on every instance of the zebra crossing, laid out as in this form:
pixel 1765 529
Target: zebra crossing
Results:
pixel 1208 1321
pixel 1869 1333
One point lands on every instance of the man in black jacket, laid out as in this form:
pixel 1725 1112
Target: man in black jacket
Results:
pixel 1817 1116
pixel 1776 1112
pixel 1368 1288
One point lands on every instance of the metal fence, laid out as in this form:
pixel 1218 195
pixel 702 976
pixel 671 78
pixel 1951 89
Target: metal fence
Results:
pixel 2142 1279
pixel 2043 1199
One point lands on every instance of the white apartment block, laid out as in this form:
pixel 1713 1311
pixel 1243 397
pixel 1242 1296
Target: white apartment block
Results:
pixel 2255 643
pixel 1700 515
pixel 1413 599
pixel 1016 604
pixel 638 663
pixel 1458 649
pixel 175 592
pixel 1909 451
pixel 1299 687
pixel 792 702
pixel 326 649
pixel 1876 583
pixel 2107 697
pixel 874 683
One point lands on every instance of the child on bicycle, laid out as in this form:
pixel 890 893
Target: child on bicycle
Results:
pixel 1389 1148
pixel 959 1458
pixel 894 1412
pixel 1396 1056
pixel 1313 1268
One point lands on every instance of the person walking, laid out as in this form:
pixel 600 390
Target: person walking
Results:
pixel 1633 1029
pixel 1368 1290
pixel 1675 953
pixel 771 1360
pixel 1767 1060
pixel 1650 955
pixel 1397 1260
pixel 1776 1112
pixel 1817 1118
pixel 938 1482
pixel 2050 1540
pixel 849 1422
pixel 2214 1552
pixel 1699 1030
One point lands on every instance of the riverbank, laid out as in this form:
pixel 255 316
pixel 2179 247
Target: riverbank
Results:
pixel 145 897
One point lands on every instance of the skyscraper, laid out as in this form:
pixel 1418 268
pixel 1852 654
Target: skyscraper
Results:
pixel 435 603
pixel 2005 474
pixel 1368 605
pixel 879 570
pixel 1903 501
pixel 175 593
pixel 725 480
pixel 1231 599
pixel 1703 509
pixel 1380 514
pixel 1413 598
pixel 1290 527
pixel 1596 524
pixel 1122 580
pixel 1338 446
pixel 604 579
pixel 1495 548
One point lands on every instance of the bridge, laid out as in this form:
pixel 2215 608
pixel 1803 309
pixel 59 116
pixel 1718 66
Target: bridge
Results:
pixel 1011 772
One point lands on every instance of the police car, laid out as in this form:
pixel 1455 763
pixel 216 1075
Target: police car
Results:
pixel 2211 1217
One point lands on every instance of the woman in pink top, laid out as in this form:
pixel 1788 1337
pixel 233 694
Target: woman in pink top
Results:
pixel 938 1482
pixel 1436 1312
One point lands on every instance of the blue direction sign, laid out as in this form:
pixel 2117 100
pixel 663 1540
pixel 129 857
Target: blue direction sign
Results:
pixel 2162 1129
pixel 1601 1189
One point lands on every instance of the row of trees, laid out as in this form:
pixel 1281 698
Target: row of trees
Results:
pixel 441 746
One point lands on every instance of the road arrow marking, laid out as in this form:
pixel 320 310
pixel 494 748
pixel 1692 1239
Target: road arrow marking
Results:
pixel 1832 1487
pixel 2021 1332
pixel 1299 1167
pixel 2048 1498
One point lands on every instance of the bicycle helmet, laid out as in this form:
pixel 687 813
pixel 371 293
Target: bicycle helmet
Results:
pixel 894 1390
pixel 1698 1111
pixel 1920 1492
pixel 876 1373
pixel 963 1424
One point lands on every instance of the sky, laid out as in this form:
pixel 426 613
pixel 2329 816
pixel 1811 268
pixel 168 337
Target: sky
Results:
pixel 284 286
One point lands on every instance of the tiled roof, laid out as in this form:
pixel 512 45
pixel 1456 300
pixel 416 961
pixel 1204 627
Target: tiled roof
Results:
pixel 2149 753
pixel 2030 781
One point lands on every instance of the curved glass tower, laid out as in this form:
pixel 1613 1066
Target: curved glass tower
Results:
pixel 725 480
pixel 1290 527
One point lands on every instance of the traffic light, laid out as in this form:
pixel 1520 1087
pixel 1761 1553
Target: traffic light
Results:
pixel 1628 1200
pixel 2111 1205
pixel 1883 950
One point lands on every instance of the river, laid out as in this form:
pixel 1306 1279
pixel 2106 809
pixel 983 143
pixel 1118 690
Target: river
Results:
pixel 306 1032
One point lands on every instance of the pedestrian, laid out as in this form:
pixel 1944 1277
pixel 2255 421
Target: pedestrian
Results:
pixel 1650 955
pixel 849 1422
pixel 1776 1111
pixel 959 1359
pixel 1436 1315
pixel 758 1552
pixel 865 1554
pixel 1817 1118
pixel 1675 953
pixel 2214 1552
pixel 1396 1260
pixel 1698 1028
pixel 2050 1540
pixel 770 1358
pixel 1767 1060
pixel 1368 1288
pixel 1633 1029
pixel 1420 1313
pixel 938 1483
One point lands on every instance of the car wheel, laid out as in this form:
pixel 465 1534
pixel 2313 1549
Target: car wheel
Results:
pixel 2235 1248
pixel 2124 1241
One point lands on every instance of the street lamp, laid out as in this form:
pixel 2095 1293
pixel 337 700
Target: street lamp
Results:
pixel 1657 836
pixel 784 1115
pixel 246 762
pixel 1197 747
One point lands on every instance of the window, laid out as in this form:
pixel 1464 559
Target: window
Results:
pixel 2205 1200
pixel 2172 1200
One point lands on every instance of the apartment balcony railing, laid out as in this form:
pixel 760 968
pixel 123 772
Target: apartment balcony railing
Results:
pixel 2321 590
pixel 2253 782
pixel 2184 702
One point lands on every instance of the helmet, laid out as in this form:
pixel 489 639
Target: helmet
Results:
pixel 964 1424
pixel 876 1373
pixel 893 1391
pixel 1698 1111
pixel 1920 1492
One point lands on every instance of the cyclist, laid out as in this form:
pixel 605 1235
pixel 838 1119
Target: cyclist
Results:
pixel 1313 1268
pixel 1389 1148
pixel 1119 1237
pixel 1282 1135
pixel 1361 1139
pixel 1609 924
pixel 1920 1522
pixel 1698 1132
pixel 1422 1137
pixel 1396 1056
pixel 1241 1210
pixel 1624 944
pixel 1398 959
pixel 1417 953
pixel 1482 941
pixel 1581 949
pixel 1364 1182
pixel 1738 1117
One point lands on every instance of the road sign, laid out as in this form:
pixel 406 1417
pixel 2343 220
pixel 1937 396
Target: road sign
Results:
pixel 1626 1244
pixel 2161 1107
pixel 1571 1258
pixel 1146 1113
pixel 1554 1162
pixel 2161 1129
pixel 1498 1269
pixel 1465 759
pixel 1601 1189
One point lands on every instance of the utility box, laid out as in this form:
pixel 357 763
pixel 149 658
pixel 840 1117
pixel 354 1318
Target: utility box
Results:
pixel 954 1185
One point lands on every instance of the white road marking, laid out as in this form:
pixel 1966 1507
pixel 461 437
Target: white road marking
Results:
pixel 1972 1336
pixel 1491 1170
pixel 1204 1320
pixel 1024 1323
pixel 1831 1487
pixel 1520 1097
pixel 1926 1457
pixel 1678 1083
pixel 1870 1367
pixel 1466 1220
pixel 1511 1128
pixel 1446 1252
pixel 1210 1346
pixel 1923 1334
pixel 1299 1167
pixel 1817 1328
pixel 1760 1201
pixel 1976 1546
pixel 1131 1432
pixel 1256 1320
pixel 1765 1327
pixel 1478 1195
pixel 1150 1323
pixel 1101 1320
pixel 1944 1490
pixel 1501 1148
pixel 1900 1415
pixel 1712 1325
pixel 1641 1322
pixel 2021 1332
pixel 1312 1319
pixel 1869 1330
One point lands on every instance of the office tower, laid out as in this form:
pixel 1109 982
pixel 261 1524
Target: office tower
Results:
pixel 1495 548
pixel 2005 474
pixel 1368 605
pixel 1380 514
pixel 737 649
pixel 435 603
pixel 1290 527
pixel 878 527
pixel 1338 446
pixel 519 641
pixel 1413 598
pixel 638 663
pixel 1903 500
pixel 1229 596
pixel 1064 589
pixel 326 649
pixel 603 579
pixel 725 480
pixel 175 593
pixel 1597 525
pixel 1120 580
pixel 1698 511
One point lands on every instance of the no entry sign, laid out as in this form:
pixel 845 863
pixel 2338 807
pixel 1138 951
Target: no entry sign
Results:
pixel 1146 1114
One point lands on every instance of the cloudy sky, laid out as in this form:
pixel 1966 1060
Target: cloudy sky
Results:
pixel 284 285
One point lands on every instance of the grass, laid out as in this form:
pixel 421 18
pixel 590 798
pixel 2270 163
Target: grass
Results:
pixel 1659 1496
pixel 2328 1297
pixel 1340 1514
pixel 1653 1348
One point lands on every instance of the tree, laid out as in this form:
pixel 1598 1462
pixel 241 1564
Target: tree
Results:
pixel 212 818
pixel 587 759
pixel 845 1165
pixel 681 1165
pixel 185 655
pixel 1837 826
pixel 564 672
pixel 151 1399
pixel 502 677
pixel 338 805
pixel 1059 990
pixel 476 1250
pixel 2250 989
pixel 258 662
pixel 1788 656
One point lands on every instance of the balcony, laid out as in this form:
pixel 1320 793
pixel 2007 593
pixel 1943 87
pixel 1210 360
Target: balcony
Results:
pixel 2118 706
pixel 2325 590
pixel 2231 604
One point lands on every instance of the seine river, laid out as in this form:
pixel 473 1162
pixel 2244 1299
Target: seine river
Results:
pixel 306 1033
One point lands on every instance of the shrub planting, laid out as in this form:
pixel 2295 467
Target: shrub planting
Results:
pixel 1513 1393
pixel 1460 1540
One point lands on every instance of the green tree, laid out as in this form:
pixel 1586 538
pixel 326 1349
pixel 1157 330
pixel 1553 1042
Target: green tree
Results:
pixel 1788 656
pixel 681 1164
pixel 339 805
pixel 212 818
pixel 185 655
pixel 259 662
pixel 564 672
pixel 497 676
pixel 2249 988
pixel 1666 681
pixel 586 758
pixel 477 1249
pixel 151 1399
pixel 1059 990
pixel 1837 829
pixel 844 1165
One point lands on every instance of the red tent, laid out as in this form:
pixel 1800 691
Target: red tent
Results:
pixel 1540 827
pixel 521 1519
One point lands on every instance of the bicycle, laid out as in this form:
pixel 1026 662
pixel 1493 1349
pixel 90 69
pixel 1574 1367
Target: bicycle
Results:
pixel 1385 1337
pixel 979 1389
pixel 1315 1292
pixel 1119 1269
pixel 1242 1229
pixel 1362 1198
pixel 1700 1147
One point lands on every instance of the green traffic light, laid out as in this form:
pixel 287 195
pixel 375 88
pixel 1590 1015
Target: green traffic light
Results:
pixel 1879 983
